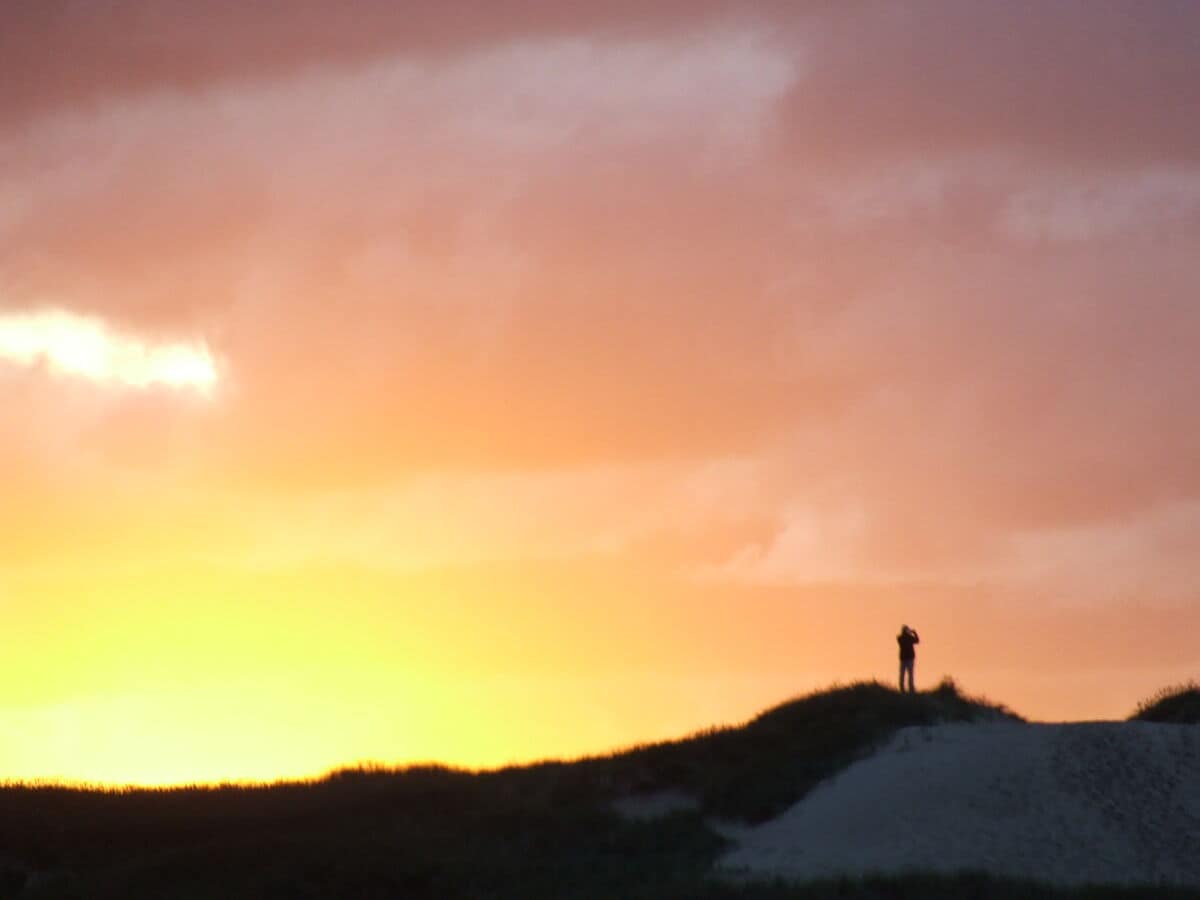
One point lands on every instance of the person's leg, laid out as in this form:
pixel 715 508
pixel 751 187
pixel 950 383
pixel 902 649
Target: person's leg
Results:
pixel 912 685
pixel 902 676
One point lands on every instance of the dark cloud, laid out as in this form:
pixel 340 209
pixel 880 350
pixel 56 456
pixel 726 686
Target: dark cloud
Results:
pixel 63 54
pixel 1087 83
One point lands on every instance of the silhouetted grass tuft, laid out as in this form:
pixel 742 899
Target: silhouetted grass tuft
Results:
pixel 1179 704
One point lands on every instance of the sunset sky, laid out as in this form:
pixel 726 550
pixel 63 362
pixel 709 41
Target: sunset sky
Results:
pixel 483 382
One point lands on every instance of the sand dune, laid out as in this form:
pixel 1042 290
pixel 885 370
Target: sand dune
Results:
pixel 1102 802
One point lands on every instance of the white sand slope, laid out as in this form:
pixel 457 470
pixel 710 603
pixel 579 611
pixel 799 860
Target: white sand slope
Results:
pixel 1104 802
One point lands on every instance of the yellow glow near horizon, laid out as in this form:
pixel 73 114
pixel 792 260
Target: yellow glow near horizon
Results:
pixel 183 674
pixel 80 346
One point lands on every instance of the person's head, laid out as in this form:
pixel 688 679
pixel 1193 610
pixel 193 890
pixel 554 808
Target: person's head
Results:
pixel 904 629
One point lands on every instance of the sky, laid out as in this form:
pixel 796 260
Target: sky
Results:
pixel 484 383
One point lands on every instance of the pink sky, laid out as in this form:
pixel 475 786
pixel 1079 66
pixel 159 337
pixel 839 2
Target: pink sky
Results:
pixel 622 368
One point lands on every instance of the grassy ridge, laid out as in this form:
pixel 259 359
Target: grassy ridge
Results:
pixel 754 772
pixel 1179 705
pixel 541 831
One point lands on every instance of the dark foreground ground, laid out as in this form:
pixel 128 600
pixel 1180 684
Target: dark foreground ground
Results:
pixel 540 832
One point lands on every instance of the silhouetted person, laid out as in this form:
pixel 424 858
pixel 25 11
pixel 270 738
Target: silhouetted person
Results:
pixel 908 640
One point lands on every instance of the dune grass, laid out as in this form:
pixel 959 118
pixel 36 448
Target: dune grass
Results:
pixel 547 830
pixel 1179 704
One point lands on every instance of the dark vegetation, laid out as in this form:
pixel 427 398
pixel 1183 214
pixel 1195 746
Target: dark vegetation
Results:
pixel 547 830
pixel 1179 704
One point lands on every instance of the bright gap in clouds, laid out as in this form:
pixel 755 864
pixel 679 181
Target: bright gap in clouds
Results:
pixel 70 344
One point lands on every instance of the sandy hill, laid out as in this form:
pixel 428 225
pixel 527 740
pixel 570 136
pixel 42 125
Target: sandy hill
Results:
pixel 1071 804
